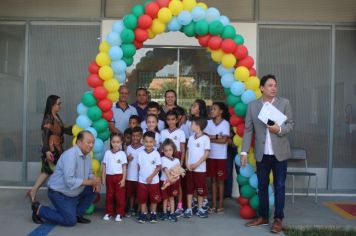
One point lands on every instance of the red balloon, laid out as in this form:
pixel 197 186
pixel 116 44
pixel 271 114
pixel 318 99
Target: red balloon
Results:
pixel 240 129
pixel 204 40
pixel 231 111
pixel 152 9
pixel 253 72
pixel 162 3
pixel 144 22
pixel 141 35
pixel 240 52
pixel 108 115
pixel 137 44
pixel 93 68
pixel 246 62
pixel 214 42
pixel 234 120
pixel 246 212
pixel 97 198
pixel 94 81
pixel 243 201
pixel 100 93
pixel 228 45
pixel 105 105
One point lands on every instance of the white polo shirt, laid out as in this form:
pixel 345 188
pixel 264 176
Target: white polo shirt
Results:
pixel 114 162
pixel 147 163
pixel 132 168
pixel 218 150
pixel 167 163
pixel 176 135
pixel 196 148
pixel 160 125
pixel 121 117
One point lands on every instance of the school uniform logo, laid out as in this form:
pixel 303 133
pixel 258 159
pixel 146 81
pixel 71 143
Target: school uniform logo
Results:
pixel 153 162
pixel 198 145
pixel 175 138
pixel 118 161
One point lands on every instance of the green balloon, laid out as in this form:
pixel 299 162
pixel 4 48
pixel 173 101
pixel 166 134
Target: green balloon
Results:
pixel 228 32
pixel 216 27
pixel 90 209
pixel 130 21
pixel 255 202
pixel 138 10
pixel 201 27
pixel 146 3
pixel 127 36
pixel 227 91
pixel 232 100
pixel 128 60
pixel 100 125
pixel 241 180
pixel 94 113
pixel 239 40
pixel 88 99
pixel 104 135
pixel 128 49
pixel 247 191
pixel 189 30
pixel 240 109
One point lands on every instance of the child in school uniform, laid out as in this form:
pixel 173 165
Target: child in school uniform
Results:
pixel 132 169
pixel 218 130
pixel 134 121
pixel 152 121
pixel 127 138
pixel 149 165
pixel 114 175
pixel 198 109
pixel 197 152
pixel 153 108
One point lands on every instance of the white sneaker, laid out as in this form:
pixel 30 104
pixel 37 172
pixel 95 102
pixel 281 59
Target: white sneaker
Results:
pixel 107 217
pixel 118 218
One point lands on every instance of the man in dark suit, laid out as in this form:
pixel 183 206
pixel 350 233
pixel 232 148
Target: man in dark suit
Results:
pixel 271 149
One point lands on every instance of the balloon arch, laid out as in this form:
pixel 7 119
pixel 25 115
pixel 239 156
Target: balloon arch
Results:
pixel 215 33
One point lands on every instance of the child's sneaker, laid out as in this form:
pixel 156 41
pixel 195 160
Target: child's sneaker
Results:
pixel 164 216
pixel 153 218
pixel 205 205
pixel 118 218
pixel 202 214
pixel 130 213
pixel 179 212
pixel 142 218
pixel 173 217
pixel 107 217
pixel 188 213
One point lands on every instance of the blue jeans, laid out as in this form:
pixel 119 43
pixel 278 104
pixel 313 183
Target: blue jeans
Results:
pixel 231 152
pixel 279 168
pixel 66 209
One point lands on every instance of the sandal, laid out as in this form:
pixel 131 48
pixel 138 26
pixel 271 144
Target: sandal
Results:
pixel 212 210
pixel 220 211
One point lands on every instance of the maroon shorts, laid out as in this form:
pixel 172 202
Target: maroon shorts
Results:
pixel 171 190
pixel 131 188
pixel 216 168
pixel 151 191
pixel 196 181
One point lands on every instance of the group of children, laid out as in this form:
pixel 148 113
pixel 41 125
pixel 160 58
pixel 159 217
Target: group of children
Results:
pixel 145 166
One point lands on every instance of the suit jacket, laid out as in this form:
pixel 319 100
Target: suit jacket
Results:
pixel 280 142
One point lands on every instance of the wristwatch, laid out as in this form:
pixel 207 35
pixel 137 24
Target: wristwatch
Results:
pixel 216 136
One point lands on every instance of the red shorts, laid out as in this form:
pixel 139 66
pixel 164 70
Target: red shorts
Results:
pixel 178 155
pixel 216 168
pixel 171 190
pixel 151 191
pixel 196 181
pixel 131 188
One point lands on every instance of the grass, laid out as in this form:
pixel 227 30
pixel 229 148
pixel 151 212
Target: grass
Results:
pixel 314 231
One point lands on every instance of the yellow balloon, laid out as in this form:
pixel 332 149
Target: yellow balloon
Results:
pixel 111 85
pixel 114 96
pixel 189 4
pixel 164 15
pixel 91 154
pixel 258 93
pixel 234 129
pixel 103 59
pixel 228 60
pixel 202 5
pixel 74 142
pixel 252 83
pixel 217 55
pixel 239 148
pixel 106 73
pixel 151 34
pixel 158 27
pixel 176 7
pixel 76 129
pixel 271 178
pixel 104 47
pixel 95 165
pixel 241 73
pixel 237 140
pixel 98 174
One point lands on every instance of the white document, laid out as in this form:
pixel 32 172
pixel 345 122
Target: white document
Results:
pixel 270 112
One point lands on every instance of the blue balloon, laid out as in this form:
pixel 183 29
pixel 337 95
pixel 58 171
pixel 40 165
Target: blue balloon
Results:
pixel 253 181
pixel 83 121
pixel 247 171
pixel 174 25
pixel 271 200
pixel 222 70
pixel 212 14
pixel 237 160
pixel 92 131
pixel 99 156
pixel 237 88
pixel 98 145
pixel 224 20
pixel 248 96
pixel 184 18
pixel 113 39
pixel 198 13
pixel 82 109
pixel 118 26
pixel 270 190
pixel 119 66
pixel 227 80
pixel 121 78
pixel 115 53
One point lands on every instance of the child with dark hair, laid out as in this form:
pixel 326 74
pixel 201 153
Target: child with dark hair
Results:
pixel 153 108
pixel 134 121
pixel 198 109
pixel 127 138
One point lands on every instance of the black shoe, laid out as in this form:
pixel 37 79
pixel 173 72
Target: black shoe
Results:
pixel 82 220
pixel 35 218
